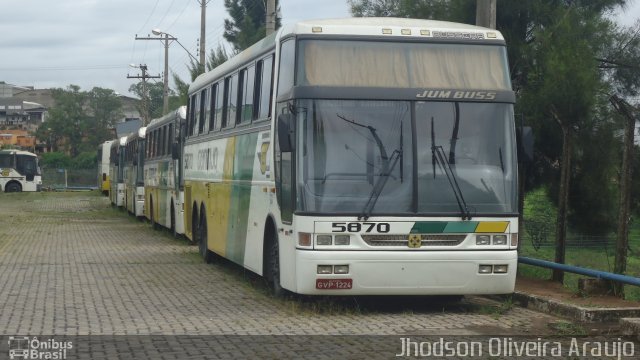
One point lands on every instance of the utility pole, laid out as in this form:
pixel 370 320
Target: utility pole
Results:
pixel 270 21
pixel 165 90
pixel 203 21
pixel 486 13
pixel 145 101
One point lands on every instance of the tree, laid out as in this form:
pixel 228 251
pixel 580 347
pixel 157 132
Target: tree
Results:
pixel 620 64
pixel 155 98
pixel 247 24
pixel 67 117
pixel 449 10
pixel 80 120
pixel 216 57
pixel 104 110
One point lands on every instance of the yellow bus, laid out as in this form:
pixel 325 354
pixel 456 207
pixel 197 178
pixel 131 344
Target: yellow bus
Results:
pixel 104 178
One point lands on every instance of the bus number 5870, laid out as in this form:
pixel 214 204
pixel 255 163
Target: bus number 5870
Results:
pixel 358 227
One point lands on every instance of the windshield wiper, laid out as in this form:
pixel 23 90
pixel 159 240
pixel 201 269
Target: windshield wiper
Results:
pixel 438 156
pixel 386 169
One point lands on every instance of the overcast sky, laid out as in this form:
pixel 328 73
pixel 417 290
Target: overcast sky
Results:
pixel 54 43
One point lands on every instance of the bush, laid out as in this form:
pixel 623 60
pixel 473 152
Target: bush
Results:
pixel 59 160
pixel 55 160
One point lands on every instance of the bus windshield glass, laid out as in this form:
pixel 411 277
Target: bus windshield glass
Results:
pixel 344 63
pixel 358 156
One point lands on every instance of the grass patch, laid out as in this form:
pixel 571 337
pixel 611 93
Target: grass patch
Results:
pixel 566 328
pixel 496 311
pixel 539 228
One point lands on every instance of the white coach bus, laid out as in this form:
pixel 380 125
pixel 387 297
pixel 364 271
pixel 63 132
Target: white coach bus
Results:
pixel 359 156
pixel 163 189
pixel 19 171
pixel 116 168
pixel 133 172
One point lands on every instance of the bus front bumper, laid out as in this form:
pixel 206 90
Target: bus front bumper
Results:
pixel 406 272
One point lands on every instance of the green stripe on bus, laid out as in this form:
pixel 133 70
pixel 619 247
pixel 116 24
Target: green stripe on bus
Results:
pixel 245 153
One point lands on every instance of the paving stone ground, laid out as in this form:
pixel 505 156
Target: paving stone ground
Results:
pixel 70 264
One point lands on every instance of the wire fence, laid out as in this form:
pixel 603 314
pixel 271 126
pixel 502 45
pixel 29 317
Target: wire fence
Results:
pixel 61 179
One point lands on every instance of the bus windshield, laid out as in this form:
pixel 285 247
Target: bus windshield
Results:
pixel 377 157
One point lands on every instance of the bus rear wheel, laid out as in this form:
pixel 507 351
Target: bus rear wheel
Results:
pixel 13 187
pixel 203 242
pixel 152 218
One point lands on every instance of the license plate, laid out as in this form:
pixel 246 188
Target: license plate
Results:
pixel 334 284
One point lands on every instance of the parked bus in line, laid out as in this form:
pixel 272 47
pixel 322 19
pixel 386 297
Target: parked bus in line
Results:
pixel 164 195
pixel 19 171
pixel 362 156
pixel 104 178
pixel 116 168
pixel 133 172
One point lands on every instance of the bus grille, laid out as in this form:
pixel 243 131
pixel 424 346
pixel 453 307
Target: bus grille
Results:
pixel 403 240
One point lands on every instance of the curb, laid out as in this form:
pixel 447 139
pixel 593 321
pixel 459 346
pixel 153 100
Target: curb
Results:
pixel 575 312
pixel 630 327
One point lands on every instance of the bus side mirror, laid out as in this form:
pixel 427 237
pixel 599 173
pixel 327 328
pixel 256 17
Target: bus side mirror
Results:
pixel 175 152
pixel 525 145
pixel 285 129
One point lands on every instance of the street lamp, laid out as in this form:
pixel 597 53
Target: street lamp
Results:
pixel 167 37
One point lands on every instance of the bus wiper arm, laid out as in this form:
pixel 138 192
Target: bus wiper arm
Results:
pixel 384 173
pixel 438 154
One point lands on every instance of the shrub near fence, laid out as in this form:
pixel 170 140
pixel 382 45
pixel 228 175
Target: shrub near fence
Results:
pixel 56 179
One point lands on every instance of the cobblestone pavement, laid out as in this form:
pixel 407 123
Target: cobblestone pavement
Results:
pixel 70 264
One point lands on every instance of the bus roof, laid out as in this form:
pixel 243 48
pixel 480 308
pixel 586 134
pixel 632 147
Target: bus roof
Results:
pixel 374 26
pixel 180 112
pixel 16 152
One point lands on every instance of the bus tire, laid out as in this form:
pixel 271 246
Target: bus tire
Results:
pixel 152 217
pixel 195 238
pixel 13 187
pixel 203 241
pixel 173 221
pixel 273 266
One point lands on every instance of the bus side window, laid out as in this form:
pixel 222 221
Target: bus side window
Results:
pixel 266 82
pixel 212 107
pixel 202 119
pixel 192 115
pixel 232 99
pixel 225 101
pixel 220 89
pixel 248 95
pixel 287 65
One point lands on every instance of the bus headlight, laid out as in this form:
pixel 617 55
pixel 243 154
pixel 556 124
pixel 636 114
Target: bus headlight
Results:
pixel 485 269
pixel 500 269
pixel 325 269
pixel 483 239
pixel 343 239
pixel 499 239
pixel 323 240
pixel 341 269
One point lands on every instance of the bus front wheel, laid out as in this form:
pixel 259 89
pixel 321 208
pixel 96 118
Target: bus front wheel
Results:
pixel 273 268
pixel 13 187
